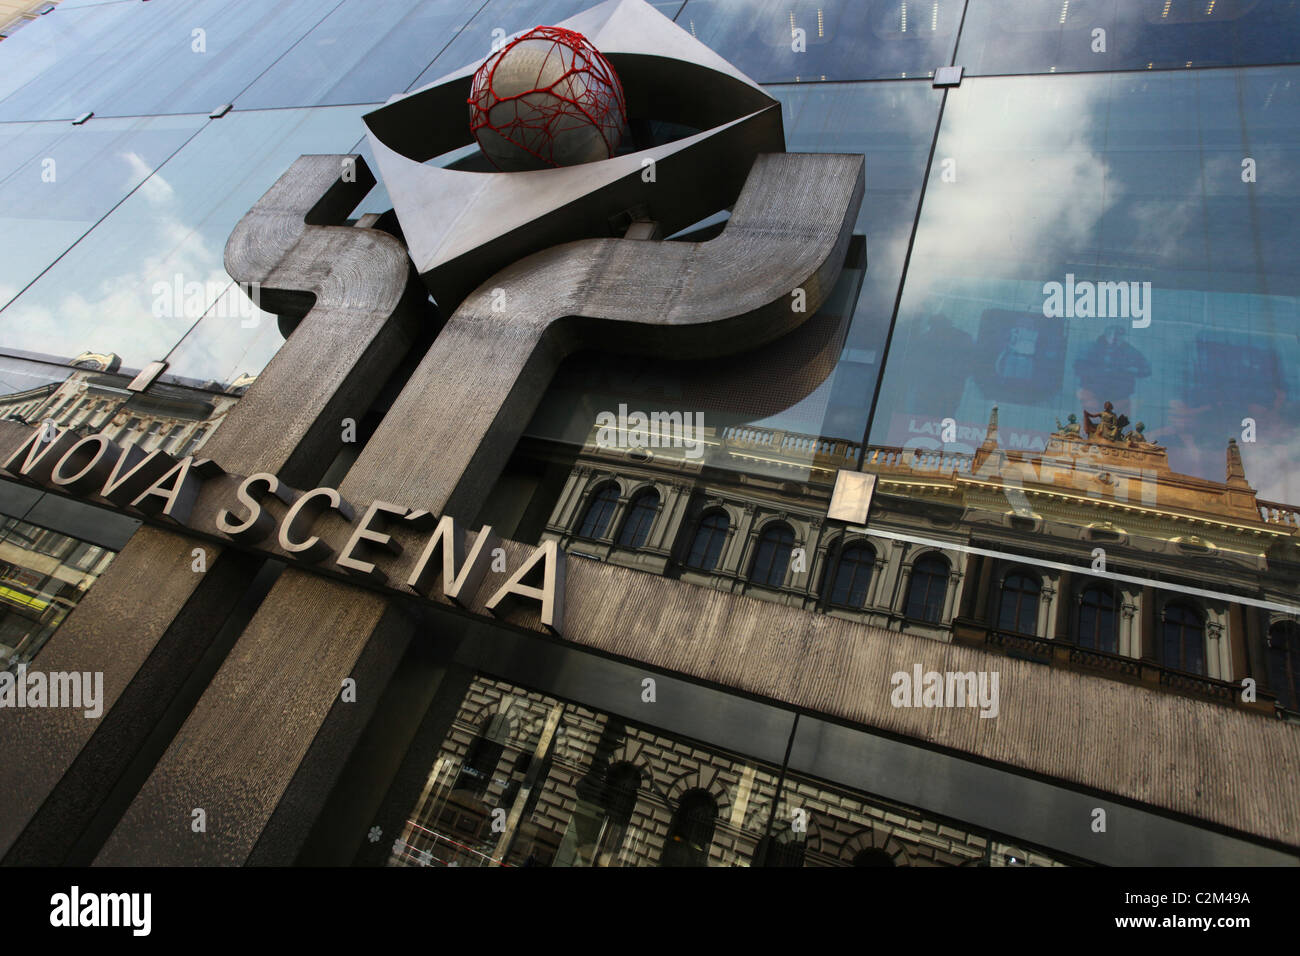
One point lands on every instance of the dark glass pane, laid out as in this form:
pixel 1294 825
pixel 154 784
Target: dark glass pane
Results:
pixel 1098 622
pixel 621 784
pixel 1042 36
pixel 927 589
pixel 691 831
pixel 706 546
pixel 776 41
pixel 636 527
pixel 852 576
pixel 1184 639
pixel 772 557
pixel 599 511
pixel 1019 608
pixel 1284 663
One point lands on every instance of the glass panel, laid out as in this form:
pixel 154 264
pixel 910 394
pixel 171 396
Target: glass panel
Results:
pixel 20 142
pixel 57 45
pixel 777 41
pixel 65 184
pixel 524 779
pixel 91 397
pixel 363 52
pixel 28 389
pixel 1042 36
pixel 43 574
pixel 115 290
pixel 228 348
pixel 131 59
pixel 1133 193
pixel 510 16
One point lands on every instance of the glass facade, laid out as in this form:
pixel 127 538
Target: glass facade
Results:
pixel 1065 341
pixel 524 779
pixel 43 575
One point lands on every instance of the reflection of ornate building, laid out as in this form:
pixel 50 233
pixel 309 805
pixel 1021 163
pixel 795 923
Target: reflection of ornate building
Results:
pixel 525 779
pixel 939 555
pixel 171 417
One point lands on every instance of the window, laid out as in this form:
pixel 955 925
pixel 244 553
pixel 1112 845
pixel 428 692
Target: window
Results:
pixel 691 830
pixel 772 556
pixel 1018 611
pixel 1284 663
pixel 710 536
pixel 1097 620
pixel 484 755
pixel 622 781
pixel 43 575
pixel 600 509
pixel 927 589
pixel 636 526
pixel 853 576
pixel 173 438
pixel 195 441
pixel 1184 639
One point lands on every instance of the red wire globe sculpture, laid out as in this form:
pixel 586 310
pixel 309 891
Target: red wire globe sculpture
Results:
pixel 547 98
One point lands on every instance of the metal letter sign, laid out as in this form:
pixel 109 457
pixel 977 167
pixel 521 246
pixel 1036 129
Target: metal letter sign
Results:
pixel 539 241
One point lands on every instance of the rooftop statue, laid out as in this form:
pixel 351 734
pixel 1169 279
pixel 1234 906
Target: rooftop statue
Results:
pixel 1071 426
pixel 1104 424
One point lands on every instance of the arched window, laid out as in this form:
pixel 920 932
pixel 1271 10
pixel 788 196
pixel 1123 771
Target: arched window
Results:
pixel 640 516
pixel 599 510
pixel 853 576
pixel 873 856
pixel 927 589
pixel 772 556
pixel 691 831
pixel 710 536
pixel 1284 663
pixel 1184 638
pixel 1097 620
pixel 1018 610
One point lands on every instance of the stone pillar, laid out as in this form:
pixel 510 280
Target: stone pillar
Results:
pixel 1063 622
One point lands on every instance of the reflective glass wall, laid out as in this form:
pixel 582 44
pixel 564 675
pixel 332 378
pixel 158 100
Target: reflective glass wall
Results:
pixel 1065 339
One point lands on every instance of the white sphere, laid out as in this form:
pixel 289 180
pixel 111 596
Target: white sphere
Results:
pixel 546 100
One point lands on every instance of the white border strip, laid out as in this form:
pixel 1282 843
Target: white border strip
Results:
pixel 1058 566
